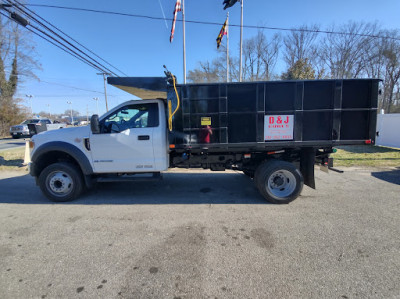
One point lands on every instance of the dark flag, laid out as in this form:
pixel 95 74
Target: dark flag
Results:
pixel 229 3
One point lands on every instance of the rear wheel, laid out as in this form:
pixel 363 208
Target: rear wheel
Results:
pixel 61 182
pixel 279 182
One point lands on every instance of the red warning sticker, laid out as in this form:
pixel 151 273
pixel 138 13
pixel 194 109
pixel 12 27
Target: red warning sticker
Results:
pixel 278 127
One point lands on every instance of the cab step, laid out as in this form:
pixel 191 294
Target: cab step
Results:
pixel 137 177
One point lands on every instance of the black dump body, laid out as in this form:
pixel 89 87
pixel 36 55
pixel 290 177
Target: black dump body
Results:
pixel 265 115
pixel 318 113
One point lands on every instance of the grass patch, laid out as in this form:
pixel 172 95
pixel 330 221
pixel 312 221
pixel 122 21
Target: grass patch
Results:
pixel 12 159
pixel 366 155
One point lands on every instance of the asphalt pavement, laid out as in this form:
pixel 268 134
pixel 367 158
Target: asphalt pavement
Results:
pixel 203 234
pixel 8 143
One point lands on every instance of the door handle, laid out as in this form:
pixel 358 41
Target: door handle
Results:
pixel 143 137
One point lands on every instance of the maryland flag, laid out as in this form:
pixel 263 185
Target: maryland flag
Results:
pixel 178 7
pixel 224 31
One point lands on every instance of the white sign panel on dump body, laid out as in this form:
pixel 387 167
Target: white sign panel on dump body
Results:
pixel 278 127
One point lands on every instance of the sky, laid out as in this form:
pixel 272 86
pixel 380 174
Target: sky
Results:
pixel 140 47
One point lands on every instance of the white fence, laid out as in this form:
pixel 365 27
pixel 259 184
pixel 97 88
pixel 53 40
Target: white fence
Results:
pixel 388 126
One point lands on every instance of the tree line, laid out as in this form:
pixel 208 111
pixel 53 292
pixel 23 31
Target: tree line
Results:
pixel 18 59
pixel 356 50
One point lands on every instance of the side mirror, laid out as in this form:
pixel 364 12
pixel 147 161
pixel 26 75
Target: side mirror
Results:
pixel 94 124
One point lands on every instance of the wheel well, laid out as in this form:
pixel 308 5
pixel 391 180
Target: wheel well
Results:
pixel 54 157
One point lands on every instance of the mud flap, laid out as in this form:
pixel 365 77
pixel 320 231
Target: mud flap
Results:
pixel 307 160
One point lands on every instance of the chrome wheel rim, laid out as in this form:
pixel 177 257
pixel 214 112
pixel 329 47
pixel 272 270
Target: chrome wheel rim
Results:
pixel 59 183
pixel 281 183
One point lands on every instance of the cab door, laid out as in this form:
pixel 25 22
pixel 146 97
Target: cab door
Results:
pixel 125 141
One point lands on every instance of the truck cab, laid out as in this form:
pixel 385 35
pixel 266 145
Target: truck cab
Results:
pixel 131 138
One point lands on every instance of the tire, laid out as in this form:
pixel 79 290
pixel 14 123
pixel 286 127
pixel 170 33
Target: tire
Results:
pixel 15 136
pixel 61 182
pixel 279 182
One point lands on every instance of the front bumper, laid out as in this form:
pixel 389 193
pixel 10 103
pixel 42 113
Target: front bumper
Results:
pixel 20 134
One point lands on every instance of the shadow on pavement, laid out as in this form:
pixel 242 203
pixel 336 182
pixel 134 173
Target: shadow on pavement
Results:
pixel 11 162
pixel 175 188
pixel 391 176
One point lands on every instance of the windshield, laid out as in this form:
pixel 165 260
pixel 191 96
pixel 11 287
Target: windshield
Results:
pixel 30 121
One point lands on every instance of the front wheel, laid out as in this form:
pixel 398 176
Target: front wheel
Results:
pixel 61 182
pixel 279 182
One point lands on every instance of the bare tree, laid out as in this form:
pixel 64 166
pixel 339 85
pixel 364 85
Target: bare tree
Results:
pixel 300 45
pixel 391 68
pixel 207 72
pixel 17 57
pixel 260 58
pixel 343 53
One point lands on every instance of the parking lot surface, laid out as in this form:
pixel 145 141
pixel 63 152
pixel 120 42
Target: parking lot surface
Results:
pixel 8 143
pixel 203 234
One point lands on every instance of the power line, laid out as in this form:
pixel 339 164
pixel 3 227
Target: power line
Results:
pixel 62 32
pixel 52 37
pixel 63 85
pixel 48 40
pixel 96 64
pixel 53 43
pixel 211 23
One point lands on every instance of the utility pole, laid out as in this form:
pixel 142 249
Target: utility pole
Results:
pixel 29 96
pixel 184 42
pixel 227 47
pixel 241 40
pixel 105 86
pixel 72 117
pixel 97 105
pixel 48 106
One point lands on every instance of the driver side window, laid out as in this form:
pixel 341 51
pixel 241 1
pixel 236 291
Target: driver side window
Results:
pixel 132 116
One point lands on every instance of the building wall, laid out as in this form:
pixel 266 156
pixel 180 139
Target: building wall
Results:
pixel 388 126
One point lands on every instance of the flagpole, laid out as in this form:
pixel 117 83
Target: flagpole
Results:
pixel 184 42
pixel 227 47
pixel 241 40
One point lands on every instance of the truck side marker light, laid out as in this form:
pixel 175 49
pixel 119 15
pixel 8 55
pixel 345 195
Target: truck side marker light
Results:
pixel 275 152
pixel 369 141
pixel 247 156
pixel 172 146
